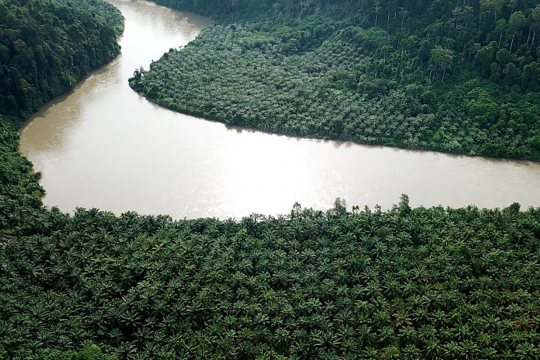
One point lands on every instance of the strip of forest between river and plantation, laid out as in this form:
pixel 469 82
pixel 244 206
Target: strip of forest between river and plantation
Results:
pixel 457 77
pixel 406 283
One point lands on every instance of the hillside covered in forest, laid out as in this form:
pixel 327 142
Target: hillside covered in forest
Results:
pixel 459 77
pixel 46 47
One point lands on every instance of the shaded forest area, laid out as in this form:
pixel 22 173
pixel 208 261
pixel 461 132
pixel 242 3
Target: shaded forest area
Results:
pixel 458 77
pixel 46 47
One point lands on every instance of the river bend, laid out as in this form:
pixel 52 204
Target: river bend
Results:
pixel 103 145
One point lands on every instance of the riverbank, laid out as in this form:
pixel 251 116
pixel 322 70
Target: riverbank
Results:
pixel 323 75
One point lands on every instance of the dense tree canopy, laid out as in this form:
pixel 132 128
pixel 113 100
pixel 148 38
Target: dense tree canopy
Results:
pixel 46 47
pixel 457 77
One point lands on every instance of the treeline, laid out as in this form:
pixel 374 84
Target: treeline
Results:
pixel 362 284
pixel 47 46
pixel 440 75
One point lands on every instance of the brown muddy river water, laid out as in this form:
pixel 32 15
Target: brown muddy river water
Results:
pixel 105 146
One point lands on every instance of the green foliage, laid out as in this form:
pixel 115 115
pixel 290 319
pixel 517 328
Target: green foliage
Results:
pixel 47 46
pixel 89 353
pixel 20 191
pixel 376 72
pixel 312 93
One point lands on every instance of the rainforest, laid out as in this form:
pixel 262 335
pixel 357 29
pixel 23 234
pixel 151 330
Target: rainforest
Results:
pixel 344 283
pixel 48 46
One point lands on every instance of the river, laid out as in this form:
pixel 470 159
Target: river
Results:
pixel 103 145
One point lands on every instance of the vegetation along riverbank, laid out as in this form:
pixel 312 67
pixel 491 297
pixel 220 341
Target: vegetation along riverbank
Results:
pixel 46 47
pixel 438 75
